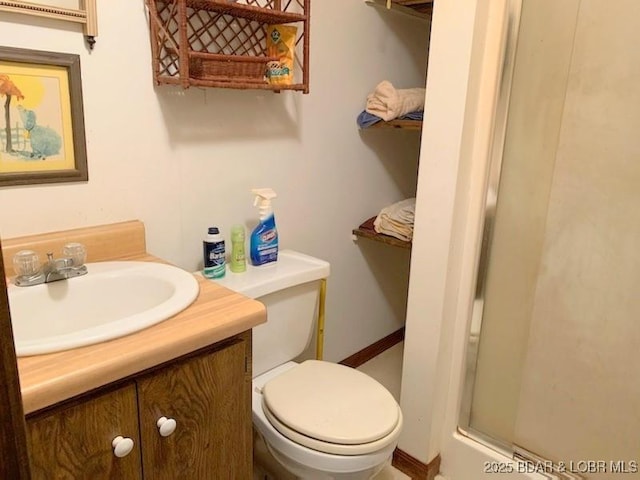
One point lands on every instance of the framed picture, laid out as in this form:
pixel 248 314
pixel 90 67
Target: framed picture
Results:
pixel 42 138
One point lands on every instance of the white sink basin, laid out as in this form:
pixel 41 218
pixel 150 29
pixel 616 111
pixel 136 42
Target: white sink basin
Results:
pixel 112 300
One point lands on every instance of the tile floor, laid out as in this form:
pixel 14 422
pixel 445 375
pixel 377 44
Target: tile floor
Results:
pixel 385 368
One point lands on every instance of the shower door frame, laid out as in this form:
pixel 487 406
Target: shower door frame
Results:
pixel 501 116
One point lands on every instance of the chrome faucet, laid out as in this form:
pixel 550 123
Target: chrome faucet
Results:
pixel 61 269
pixel 27 265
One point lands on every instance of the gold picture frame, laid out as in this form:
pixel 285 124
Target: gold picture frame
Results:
pixel 42 136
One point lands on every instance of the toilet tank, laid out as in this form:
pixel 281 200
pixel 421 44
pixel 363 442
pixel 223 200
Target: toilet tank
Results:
pixel 289 288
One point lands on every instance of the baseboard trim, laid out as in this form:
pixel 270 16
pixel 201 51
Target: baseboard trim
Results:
pixel 413 467
pixel 374 350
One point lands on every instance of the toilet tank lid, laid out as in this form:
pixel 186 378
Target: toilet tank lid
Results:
pixel 292 268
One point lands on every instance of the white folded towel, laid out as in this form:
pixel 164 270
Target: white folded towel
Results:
pixel 397 220
pixel 388 102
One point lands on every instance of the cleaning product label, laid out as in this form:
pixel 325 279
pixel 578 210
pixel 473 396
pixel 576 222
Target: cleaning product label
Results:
pixel 268 236
pixel 281 44
pixel 214 262
pixel 264 242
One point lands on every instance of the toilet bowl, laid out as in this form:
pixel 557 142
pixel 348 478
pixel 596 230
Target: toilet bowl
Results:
pixel 319 420
pixel 313 458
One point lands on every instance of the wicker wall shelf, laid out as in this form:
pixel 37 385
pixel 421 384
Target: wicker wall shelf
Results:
pixel 250 12
pixel 223 43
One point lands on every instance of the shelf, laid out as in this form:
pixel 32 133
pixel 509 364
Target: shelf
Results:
pixel 420 6
pixel 403 124
pixel 416 8
pixel 248 12
pixel 366 230
pixel 225 44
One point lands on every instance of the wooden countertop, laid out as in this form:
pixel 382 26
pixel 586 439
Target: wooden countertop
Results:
pixel 216 314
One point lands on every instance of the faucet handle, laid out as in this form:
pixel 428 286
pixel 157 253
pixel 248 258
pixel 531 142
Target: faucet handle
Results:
pixel 26 263
pixel 76 252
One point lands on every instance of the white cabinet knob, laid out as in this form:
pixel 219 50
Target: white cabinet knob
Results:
pixel 122 446
pixel 166 426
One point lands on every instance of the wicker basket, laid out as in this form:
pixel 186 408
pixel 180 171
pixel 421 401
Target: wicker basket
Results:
pixel 229 68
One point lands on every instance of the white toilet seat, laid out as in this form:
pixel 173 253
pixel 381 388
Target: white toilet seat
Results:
pixel 301 454
pixel 332 408
pixel 328 447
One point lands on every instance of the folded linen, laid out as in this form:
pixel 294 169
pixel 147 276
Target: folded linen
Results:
pixel 388 102
pixel 366 119
pixel 397 220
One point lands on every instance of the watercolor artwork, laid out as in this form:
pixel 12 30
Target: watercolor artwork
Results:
pixel 41 118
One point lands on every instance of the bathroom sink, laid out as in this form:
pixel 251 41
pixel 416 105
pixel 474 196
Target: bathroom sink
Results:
pixel 112 300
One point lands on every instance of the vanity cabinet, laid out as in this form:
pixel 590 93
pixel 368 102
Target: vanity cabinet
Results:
pixel 207 393
pixel 210 399
pixel 74 442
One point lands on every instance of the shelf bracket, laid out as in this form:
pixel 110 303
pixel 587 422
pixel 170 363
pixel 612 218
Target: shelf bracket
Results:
pixel 86 15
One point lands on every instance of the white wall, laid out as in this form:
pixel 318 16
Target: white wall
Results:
pixel 183 160
pixel 447 86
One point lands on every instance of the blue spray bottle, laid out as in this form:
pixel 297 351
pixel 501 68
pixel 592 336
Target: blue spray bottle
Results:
pixel 264 238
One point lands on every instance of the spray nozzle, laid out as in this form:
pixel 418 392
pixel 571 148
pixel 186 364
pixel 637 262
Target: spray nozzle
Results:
pixel 263 195
pixel 263 199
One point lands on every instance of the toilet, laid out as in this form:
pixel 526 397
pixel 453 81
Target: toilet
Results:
pixel 318 419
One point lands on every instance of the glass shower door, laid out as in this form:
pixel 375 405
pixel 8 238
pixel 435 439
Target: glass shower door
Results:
pixel 558 350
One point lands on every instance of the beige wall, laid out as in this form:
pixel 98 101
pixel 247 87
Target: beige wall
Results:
pixel 183 160
pixel 580 387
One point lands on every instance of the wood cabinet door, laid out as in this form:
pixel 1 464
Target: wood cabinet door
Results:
pixel 74 441
pixel 209 397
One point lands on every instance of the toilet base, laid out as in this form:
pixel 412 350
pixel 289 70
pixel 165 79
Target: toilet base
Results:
pixel 265 467
pixel 281 467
